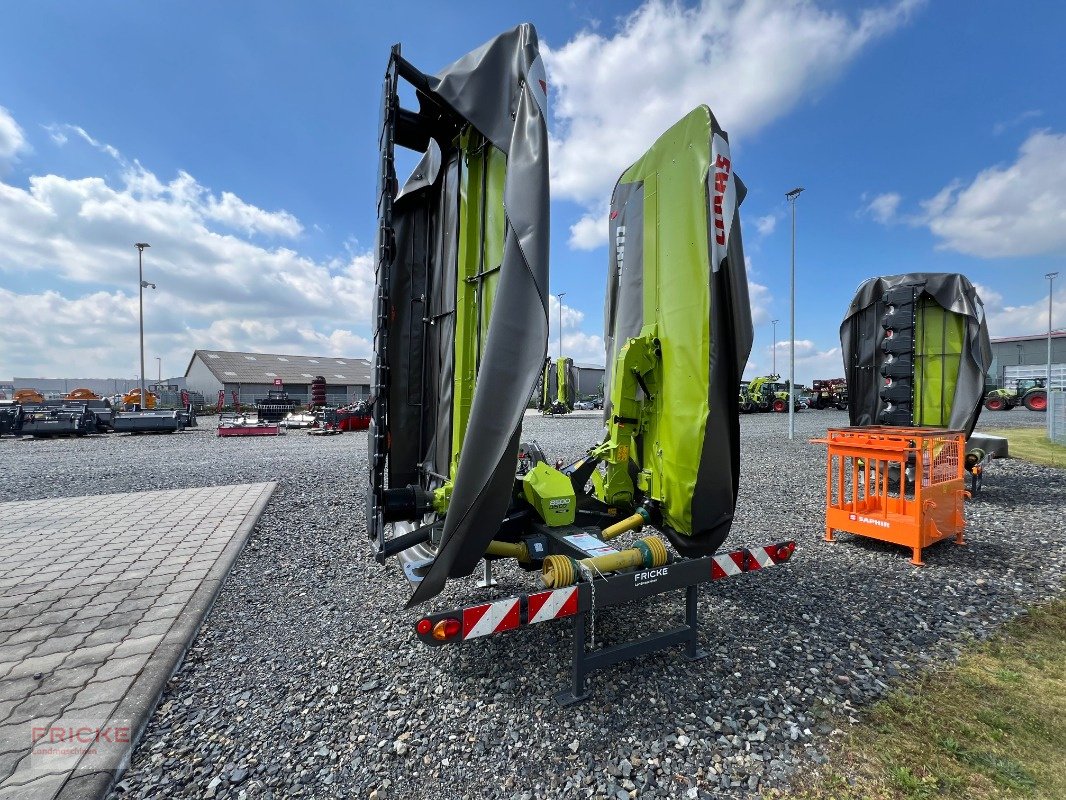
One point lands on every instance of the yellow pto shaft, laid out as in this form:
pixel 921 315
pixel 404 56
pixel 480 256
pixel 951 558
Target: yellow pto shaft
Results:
pixel 516 550
pixel 632 523
pixel 559 571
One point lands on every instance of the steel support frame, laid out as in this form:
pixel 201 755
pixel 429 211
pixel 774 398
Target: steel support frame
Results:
pixel 585 663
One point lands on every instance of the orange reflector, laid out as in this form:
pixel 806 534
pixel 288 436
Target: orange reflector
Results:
pixel 446 629
pixel 424 626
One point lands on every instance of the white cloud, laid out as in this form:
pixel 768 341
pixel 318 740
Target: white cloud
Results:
pixel 1020 320
pixel 1013 210
pixel 765 225
pixel 811 362
pixel 589 232
pixel 883 207
pixel 12 139
pixel 584 348
pixel 578 345
pixel 74 237
pixel 1005 125
pixel 760 299
pixel 752 61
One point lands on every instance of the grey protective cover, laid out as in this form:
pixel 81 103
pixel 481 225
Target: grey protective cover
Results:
pixel 861 335
pixel 500 89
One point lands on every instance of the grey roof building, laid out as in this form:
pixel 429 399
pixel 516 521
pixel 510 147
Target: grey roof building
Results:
pixel 252 375
pixel 1017 357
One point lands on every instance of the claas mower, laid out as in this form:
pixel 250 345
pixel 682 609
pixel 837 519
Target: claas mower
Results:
pixel 461 338
pixel 558 386
pixel 916 352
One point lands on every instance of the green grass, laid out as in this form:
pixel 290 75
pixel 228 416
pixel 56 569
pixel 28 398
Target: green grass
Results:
pixel 992 726
pixel 1033 445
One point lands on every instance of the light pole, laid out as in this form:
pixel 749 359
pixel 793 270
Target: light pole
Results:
pixel 561 295
pixel 1050 293
pixel 791 197
pixel 774 351
pixel 159 365
pixel 141 286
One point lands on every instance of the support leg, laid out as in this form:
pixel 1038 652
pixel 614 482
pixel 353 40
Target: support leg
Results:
pixel 693 651
pixel 577 693
pixel 916 559
pixel 487 580
pixel 828 534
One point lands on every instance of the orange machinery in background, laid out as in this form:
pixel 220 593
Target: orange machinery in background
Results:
pixel 134 398
pixel 82 394
pixel 899 485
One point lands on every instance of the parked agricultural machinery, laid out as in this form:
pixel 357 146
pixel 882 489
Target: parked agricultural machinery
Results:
pixel 275 406
pixel 768 393
pixel 10 418
pixel 916 352
pixel 829 393
pixel 461 337
pixel 1028 392
pixel 132 400
pixel 82 412
pixel 558 386
pixel 28 397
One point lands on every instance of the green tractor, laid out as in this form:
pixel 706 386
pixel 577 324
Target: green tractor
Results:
pixel 1028 392
pixel 766 393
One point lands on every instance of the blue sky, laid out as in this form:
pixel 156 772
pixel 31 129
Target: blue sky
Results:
pixel 238 139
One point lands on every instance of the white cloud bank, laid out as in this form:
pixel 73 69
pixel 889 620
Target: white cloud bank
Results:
pixel 583 348
pixel 751 61
pixel 1007 211
pixel 1020 320
pixel 219 285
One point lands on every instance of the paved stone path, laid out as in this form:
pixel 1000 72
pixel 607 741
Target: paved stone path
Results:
pixel 99 599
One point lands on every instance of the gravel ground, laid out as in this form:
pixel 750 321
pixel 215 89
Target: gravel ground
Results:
pixel 306 680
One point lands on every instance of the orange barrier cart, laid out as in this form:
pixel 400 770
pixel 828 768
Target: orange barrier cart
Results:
pixel 900 485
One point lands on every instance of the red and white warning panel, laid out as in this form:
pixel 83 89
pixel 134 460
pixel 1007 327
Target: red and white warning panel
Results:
pixel 503 615
pixel 726 565
pixel 510 613
pixel 545 606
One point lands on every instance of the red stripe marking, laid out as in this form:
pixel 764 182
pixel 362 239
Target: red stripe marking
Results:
pixel 471 616
pixel 569 608
pixel 717 573
pixel 536 602
pixel 511 618
pixel 740 558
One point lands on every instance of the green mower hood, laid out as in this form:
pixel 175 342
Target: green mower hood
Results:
pixel 677 289
pixel 916 351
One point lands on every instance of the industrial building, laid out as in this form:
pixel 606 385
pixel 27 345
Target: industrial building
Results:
pixel 1015 357
pixel 589 380
pixel 252 375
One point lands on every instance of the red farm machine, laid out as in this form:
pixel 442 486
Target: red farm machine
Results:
pixel 829 393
